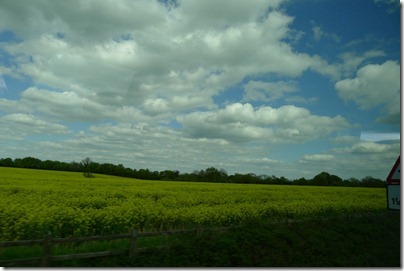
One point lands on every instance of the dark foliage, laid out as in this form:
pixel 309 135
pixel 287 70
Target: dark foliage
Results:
pixel 368 241
pixel 211 174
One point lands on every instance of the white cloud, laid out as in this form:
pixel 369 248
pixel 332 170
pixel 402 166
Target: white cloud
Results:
pixel 392 5
pixel 242 122
pixel 357 156
pixel 82 22
pixel 9 106
pixel 65 105
pixel 352 60
pixel 3 85
pixel 18 126
pixel 368 147
pixel 222 13
pixel 69 106
pixel 139 145
pixel 37 125
pixel 270 161
pixel 374 85
pixel 111 58
pixel 345 139
pixel 156 106
pixel 268 91
pixel 300 99
pixel 319 33
pixel 317 157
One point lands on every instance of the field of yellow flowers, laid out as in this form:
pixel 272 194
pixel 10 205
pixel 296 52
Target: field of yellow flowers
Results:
pixel 36 202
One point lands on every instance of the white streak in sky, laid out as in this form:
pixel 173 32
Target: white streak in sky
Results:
pixel 376 136
pixel 3 85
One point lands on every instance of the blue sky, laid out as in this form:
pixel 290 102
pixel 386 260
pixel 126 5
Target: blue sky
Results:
pixel 285 88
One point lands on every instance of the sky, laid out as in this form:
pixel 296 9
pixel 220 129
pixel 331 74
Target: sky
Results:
pixel 275 87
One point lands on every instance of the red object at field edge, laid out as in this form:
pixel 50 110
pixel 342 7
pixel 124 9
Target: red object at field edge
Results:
pixel 392 177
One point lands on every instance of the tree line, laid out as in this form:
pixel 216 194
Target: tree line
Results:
pixel 211 174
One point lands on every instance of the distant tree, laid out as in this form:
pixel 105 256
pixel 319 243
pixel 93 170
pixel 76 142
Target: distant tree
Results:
pixel 352 182
pixel 211 174
pixel 86 166
pixel 30 162
pixel 283 180
pixel 169 174
pixel 143 174
pixel 55 165
pixel 6 162
pixel 369 181
pixel 49 164
pixel 73 166
pixel 270 179
pixel 264 178
pixel 321 179
pixel 301 181
pixel 334 180
pixel 236 178
pixel 246 178
pixel 214 175
pixel 120 170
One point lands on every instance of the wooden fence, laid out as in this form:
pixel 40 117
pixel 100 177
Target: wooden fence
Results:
pixel 48 241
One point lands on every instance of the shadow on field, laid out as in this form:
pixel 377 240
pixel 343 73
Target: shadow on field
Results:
pixel 366 241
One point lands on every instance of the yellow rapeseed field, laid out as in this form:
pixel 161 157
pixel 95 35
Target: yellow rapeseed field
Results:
pixel 35 202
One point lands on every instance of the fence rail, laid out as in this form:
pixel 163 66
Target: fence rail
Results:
pixel 48 242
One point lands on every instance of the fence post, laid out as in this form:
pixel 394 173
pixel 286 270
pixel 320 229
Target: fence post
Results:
pixel 133 241
pixel 47 245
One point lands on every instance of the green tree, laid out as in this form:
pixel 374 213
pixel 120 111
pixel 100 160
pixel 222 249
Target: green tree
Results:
pixel 369 181
pixel 322 179
pixel 301 181
pixel 30 162
pixel 214 175
pixel 169 174
pixel 6 162
pixel 86 166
